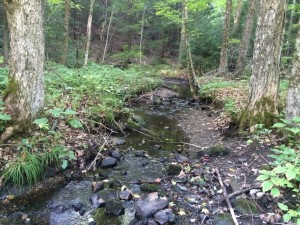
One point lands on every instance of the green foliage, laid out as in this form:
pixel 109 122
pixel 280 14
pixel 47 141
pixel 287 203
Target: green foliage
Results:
pixel 215 84
pixel 128 54
pixel 285 172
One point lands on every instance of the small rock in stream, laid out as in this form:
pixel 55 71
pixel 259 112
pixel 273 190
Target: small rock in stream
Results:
pixel 60 209
pixel 136 222
pixel 181 158
pixel 116 154
pixel 140 154
pixel 97 186
pixel 125 195
pixel 146 209
pixel 151 221
pixel 81 212
pixel 103 176
pixel 114 207
pixel 77 207
pixel 109 162
pixel 157 146
pixel 164 216
pixel 96 201
pixel 119 141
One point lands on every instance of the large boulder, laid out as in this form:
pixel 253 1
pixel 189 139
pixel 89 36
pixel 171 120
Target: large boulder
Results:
pixel 146 209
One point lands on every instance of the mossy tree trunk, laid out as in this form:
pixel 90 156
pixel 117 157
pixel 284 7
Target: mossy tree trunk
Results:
pixel 66 30
pixel 264 82
pixel 293 96
pixel 223 66
pixel 24 96
pixel 242 57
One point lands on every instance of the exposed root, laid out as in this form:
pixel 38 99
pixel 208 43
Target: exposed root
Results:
pixel 9 132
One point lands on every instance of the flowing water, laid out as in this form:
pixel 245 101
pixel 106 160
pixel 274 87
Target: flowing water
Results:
pixel 160 136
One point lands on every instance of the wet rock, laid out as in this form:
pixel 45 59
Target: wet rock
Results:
pixel 146 209
pixel 115 184
pixel 181 158
pixel 138 119
pixel 242 160
pixel 245 206
pixel 173 169
pixel 146 187
pixel 234 184
pixel 151 221
pixel 223 219
pixel 140 154
pixel 96 201
pixel 82 212
pixel 103 176
pixel 77 207
pixel 125 195
pixel 97 186
pixel 136 222
pixel 182 188
pixel 60 209
pixel 92 223
pixel 132 125
pixel 214 151
pixel 109 162
pixel 50 171
pixel 157 146
pixel 119 141
pixel 197 172
pixel 116 154
pixel 151 197
pixel 123 173
pixel 114 207
pixel 164 216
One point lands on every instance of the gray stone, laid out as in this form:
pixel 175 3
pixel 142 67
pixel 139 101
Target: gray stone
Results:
pixel 151 221
pixel 60 209
pixel 181 158
pixel 164 216
pixel 97 186
pixel 125 195
pixel 109 162
pixel 77 207
pixel 146 209
pixel 96 201
pixel 114 207
pixel 116 154
pixel 119 141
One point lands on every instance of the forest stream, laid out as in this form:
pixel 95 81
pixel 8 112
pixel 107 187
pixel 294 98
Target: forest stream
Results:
pixel 174 154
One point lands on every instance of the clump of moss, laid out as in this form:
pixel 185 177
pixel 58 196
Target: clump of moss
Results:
pixel 214 151
pixel 245 206
pixel 173 169
pixel 149 187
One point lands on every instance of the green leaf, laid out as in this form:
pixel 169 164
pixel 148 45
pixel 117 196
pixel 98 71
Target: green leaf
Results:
pixel 71 155
pixel 69 112
pixel 5 117
pixel 42 123
pixel 64 164
pixel 275 192
pixel 287 217
pixel 267 185
pixel 278 125
pixel 283 207
pixel 290 174
pixel 279 169
pixel 263 177
pixel 75 123
pixel 296 119
pixel 55 112
pixel 294 130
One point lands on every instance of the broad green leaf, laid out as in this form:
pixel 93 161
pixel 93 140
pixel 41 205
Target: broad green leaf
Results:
pixel 283 207
pixel 64 164
pixel 275 192
pixel 278 125
pixel 41 123
pixel 55 112
pixel 294 130
pixel 71 155
pixel 263 177
pixel 69 112
pixel 5 117
pixel 287 217
pixel 280 169
pixel 290 174
pixel 75 123
pixel 267 185
pixel 296 119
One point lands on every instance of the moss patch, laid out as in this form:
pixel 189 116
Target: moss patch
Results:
pixel 223 219
pixel 214 151
pixel 149 187
pixel 174 169
pixel 245 206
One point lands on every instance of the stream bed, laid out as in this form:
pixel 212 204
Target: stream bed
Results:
pixel 160 137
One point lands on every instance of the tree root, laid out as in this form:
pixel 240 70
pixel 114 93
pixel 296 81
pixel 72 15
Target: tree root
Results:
pixel 9 132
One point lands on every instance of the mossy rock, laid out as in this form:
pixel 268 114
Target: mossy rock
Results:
pixel 149 187
pixel 223 219
pixel 214 151
pixel 132 125
pixel 174 169
pixel 138 119
pixel 245 206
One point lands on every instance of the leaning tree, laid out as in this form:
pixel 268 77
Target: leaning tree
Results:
pixel 263 95
pixel 24 95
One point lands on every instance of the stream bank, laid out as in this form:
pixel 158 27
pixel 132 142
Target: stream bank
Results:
pixel 174 154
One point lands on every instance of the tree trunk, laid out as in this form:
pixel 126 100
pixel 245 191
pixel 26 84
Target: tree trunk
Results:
pixel 102 32
pixel 223 67
pixel 182 47
pixel 264 81
pixel 242 57
pixel 66 30
pixel 5 41
pixel 107 34
pixel 293 96
pixel 237 16
pixel 24 96
pixel 88 33
pixel 289 32
pixel 142 32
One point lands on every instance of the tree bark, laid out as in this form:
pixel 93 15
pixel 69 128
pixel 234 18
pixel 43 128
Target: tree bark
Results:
pixel 264 81
pixel 24 96
pixel 66 30
pixel 141 35
pixel 293 96
pixel 288 47
pixel 223 67
pixel 102 32
pixel 237 16
pixel 88 33
pixel 107 34
pixel 5 41
pixel 242 57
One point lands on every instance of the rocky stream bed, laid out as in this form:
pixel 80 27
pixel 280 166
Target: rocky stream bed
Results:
pixel 167 169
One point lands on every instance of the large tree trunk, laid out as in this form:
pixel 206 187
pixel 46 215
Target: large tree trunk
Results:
pixel 289 31
pixel 223 67
pixel 24 96
pixel 5 40
pixel 66 30
pixel 264 81
pixel 88 33
pixel 242 57
pixel 293 96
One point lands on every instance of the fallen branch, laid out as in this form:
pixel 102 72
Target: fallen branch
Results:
pixel 226 197
pixel 236 193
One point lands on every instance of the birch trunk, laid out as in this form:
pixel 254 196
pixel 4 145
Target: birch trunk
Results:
pixel 107 34
pixel 88 33
pixel 293 96
pixel 242 57
pixel 264 81
pixel 24 96
pixel 66 31
pixel 223 67
pixel 102 32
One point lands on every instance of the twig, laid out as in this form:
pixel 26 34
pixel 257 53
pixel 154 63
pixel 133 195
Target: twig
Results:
pixel 233 194
pixel 226 197
pixel 120 128
pixel 203 220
